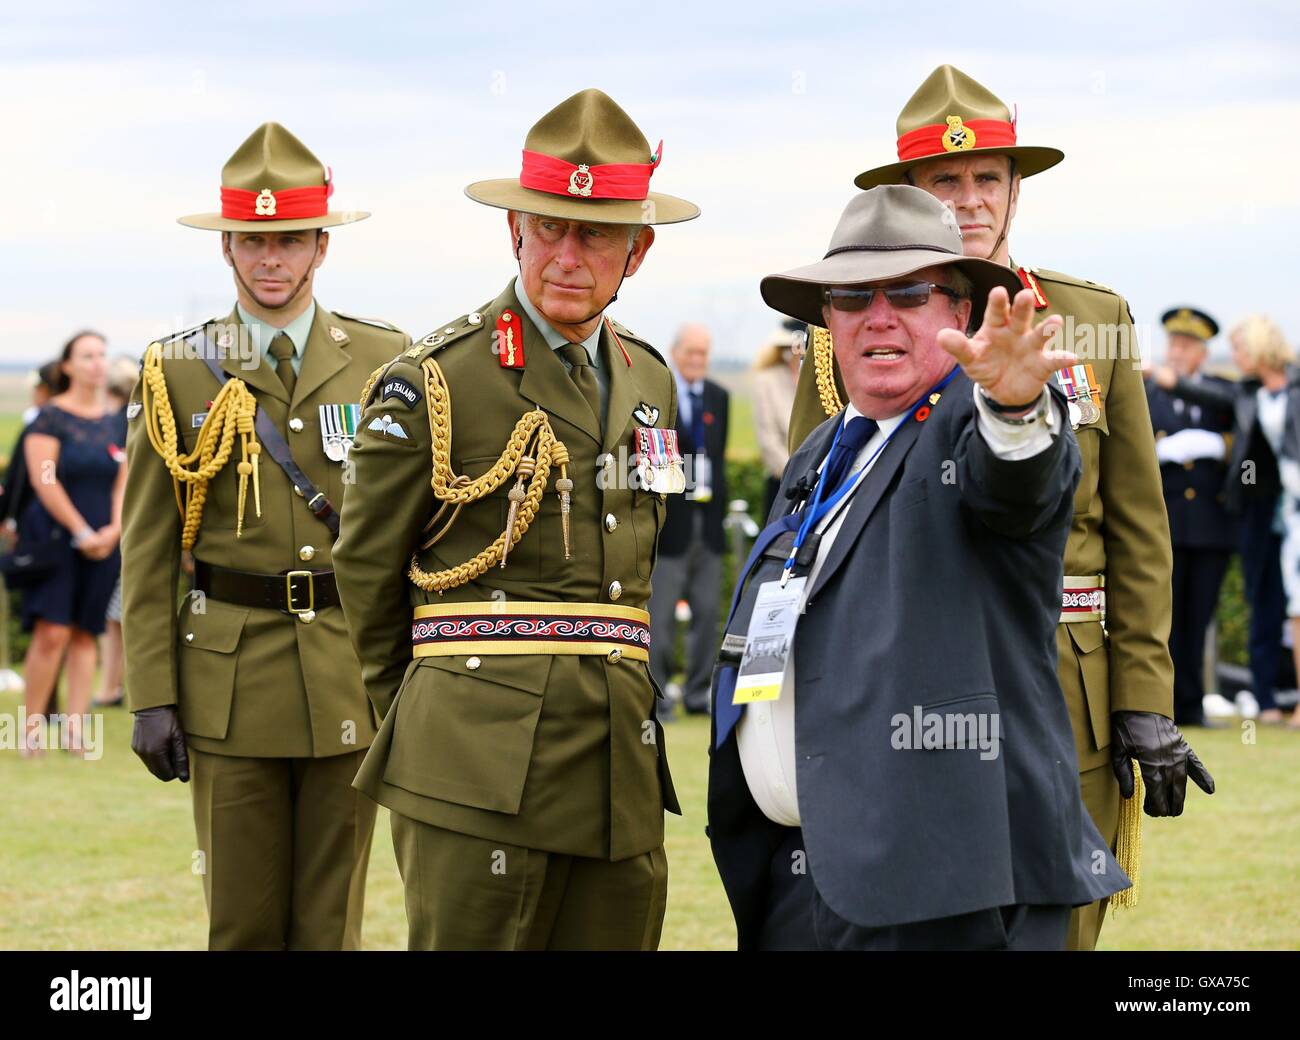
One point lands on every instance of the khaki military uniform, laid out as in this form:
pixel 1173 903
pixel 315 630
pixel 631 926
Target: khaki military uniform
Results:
pixel 527 787
pixel 272 704
pixel 1120 531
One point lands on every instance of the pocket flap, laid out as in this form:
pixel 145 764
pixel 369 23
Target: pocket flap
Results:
pixel 527 672
pixel 1087 635
pixel 217 627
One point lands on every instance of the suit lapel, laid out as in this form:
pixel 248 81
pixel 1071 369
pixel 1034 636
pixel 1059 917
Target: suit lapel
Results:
pixel 545 380
pixel 262 376
pixel 322 357
pixel 866 498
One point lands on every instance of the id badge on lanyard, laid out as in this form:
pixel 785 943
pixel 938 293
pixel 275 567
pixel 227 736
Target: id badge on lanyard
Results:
pixel 769 642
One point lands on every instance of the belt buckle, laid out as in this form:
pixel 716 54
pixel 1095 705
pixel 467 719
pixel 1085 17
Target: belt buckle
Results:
pixel 288 592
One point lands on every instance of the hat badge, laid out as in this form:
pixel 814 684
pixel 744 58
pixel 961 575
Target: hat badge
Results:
pixel 265 206
pixel 581 181
pixel 958 137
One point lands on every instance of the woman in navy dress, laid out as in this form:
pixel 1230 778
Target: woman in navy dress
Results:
pixel 75 453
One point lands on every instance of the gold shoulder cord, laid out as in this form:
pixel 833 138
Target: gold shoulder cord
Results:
pixel 530 453
pixel 1128 845
pixel 232 413
pixel 823 352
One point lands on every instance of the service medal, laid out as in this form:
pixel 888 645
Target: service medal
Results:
pixel 659 461
pixel 338 427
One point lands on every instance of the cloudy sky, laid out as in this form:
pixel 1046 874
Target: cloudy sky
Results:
pixel 1180 123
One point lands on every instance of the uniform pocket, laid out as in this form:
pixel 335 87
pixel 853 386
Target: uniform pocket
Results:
pixel 208 657
pixel 648 511
pixel 1089 641
pixel 465 735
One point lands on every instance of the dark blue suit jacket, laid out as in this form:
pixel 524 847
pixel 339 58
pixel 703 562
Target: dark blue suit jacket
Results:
pixel 941 593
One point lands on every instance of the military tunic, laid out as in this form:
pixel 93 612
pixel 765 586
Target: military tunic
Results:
pixel 253 683
pixel 559 753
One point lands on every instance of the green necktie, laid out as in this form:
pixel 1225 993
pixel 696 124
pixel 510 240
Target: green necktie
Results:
pixel 583 376
pixel 282 351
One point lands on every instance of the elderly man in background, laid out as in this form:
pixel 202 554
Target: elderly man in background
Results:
pixel 691 543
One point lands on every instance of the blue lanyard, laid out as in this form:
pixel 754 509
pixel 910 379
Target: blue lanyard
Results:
pixel 818 507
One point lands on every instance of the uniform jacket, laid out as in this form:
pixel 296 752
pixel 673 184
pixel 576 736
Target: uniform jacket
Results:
pixel 678 530
pixel 965 585
pixel 248 681
pixel 1120 528
pixel 1194 493
pixel 560 753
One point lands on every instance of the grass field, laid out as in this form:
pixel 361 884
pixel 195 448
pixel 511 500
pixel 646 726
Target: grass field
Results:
pixel 96 855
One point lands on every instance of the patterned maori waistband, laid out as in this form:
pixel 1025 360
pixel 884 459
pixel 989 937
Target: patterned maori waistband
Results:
pixel 450 629
pixel 1083 598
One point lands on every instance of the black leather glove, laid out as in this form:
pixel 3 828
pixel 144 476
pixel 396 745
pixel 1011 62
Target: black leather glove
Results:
pixel 160 742
pixel 1164 756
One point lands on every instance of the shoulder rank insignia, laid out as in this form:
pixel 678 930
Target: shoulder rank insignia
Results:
pixel 509 341
pixel 1028 280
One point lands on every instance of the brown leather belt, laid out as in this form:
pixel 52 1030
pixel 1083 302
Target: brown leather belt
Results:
pixel 292 592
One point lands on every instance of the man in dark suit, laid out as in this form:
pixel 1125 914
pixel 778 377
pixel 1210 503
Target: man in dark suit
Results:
pixel 924 794
pixel 1192 450
pixel 691 542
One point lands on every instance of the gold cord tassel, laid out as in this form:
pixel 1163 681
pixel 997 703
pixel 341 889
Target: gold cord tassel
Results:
pixel 231 413
pixel 530 453
pixel 1128 846
pixel 527 467
pixel 563 488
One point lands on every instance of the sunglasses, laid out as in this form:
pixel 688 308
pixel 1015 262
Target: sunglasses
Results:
pixel 900 296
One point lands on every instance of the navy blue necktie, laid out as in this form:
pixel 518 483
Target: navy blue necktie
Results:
pixel 857 431
pixel 697 419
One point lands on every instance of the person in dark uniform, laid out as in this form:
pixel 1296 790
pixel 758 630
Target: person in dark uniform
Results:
pixel 1192 449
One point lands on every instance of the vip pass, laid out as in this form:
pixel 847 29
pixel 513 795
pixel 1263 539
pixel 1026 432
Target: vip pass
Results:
pixel 659 460
pixel 338 429
pixel 1082 390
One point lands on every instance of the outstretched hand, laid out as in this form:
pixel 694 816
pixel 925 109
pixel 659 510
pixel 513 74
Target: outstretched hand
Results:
pixel 1008 354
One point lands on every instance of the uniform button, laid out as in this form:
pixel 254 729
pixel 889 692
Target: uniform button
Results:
pixel 189 637
pixel 1189 494
pixel 615 589
pixel 472 663
pixel 295 424
pixel 306 617
pixel 297 490
pixel 611 521
pixel 306 552
pixel 615 656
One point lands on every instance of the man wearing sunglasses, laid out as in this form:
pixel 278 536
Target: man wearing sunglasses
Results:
pixel 957 141
pixel 903 595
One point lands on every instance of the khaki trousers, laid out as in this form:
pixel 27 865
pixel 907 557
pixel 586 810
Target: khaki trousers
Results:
pixel 467 893
pixel 284 846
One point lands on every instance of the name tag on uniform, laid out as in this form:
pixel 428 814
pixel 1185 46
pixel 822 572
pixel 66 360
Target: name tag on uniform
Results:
pixel 769 641
pixel 338 428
